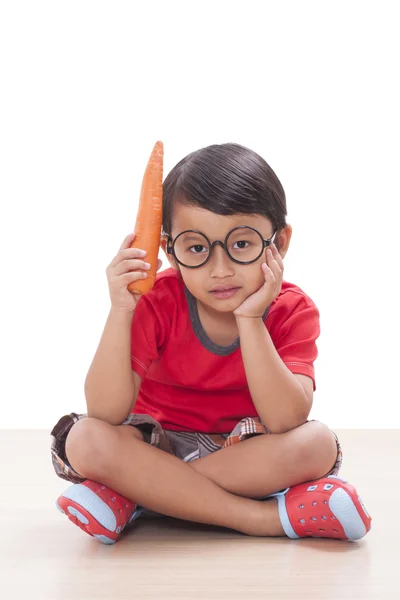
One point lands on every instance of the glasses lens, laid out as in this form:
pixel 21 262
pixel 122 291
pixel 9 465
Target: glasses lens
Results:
pixel 243 244
pixel 191 248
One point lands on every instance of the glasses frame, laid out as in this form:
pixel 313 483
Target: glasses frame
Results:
pixel 266 243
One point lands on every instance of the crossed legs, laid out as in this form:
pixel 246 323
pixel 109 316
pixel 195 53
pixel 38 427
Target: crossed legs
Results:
pixel 219 489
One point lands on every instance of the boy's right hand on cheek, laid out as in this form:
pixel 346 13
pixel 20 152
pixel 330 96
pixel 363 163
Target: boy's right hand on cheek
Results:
pixel 127 266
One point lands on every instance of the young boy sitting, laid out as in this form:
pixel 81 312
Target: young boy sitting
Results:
pixel 199 393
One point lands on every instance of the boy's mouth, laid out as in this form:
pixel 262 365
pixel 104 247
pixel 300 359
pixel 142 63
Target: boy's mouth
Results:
pixel 224 288
pixel 224 293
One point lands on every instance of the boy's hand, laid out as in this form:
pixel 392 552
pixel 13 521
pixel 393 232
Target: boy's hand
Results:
pixel 254 306
pixel 126 267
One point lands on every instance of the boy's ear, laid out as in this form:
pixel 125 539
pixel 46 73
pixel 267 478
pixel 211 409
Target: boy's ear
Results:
pixel 283 242
pixel 163 244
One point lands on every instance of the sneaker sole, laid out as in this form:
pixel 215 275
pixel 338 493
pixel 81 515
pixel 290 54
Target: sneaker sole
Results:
pixel 89 512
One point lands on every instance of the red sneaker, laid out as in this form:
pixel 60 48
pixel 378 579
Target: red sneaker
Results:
pixel 328 507
pixel 98 510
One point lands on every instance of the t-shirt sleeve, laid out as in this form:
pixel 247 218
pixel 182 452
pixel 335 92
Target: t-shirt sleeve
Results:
pixel 297 333
pixel 149 332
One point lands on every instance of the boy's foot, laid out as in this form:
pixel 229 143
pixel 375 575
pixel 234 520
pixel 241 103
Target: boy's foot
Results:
pixel 328 507
pixel 98 510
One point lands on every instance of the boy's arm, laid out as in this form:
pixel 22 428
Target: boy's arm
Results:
pixel 277 394
pixel 109 386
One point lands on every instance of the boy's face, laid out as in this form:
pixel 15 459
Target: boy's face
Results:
pixel 220 269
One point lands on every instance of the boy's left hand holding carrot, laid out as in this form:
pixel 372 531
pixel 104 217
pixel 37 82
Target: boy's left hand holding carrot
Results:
pixel 254 306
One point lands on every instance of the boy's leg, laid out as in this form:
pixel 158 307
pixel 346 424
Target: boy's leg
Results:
pixel 163 483
pixel 264 464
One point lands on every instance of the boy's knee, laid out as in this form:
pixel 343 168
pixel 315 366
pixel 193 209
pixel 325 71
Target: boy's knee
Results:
pixel 319 449
pixel 92 443
pixel 87 444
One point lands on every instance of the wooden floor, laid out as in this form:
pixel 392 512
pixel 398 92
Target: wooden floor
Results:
pixel 43 556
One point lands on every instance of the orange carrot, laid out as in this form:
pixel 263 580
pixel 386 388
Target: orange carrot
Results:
pixel 149 219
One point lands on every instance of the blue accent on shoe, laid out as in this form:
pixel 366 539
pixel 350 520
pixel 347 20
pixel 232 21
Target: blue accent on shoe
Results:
pixel 93 504
pixel 104 539
pixel 363 507
pixel 78 515
pixel 342 506
pixel 284 517
pixel 276 494
pixel 136 514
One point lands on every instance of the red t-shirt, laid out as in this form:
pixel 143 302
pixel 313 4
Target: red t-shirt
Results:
pixel 189 382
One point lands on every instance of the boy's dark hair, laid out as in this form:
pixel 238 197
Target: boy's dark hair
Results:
pixel 226 179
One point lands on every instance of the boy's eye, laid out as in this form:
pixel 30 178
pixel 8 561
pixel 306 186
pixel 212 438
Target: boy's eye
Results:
pixel 242 242
pixel 197 247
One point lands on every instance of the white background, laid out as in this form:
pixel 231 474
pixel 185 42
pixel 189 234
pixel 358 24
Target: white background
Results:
pixel 86 90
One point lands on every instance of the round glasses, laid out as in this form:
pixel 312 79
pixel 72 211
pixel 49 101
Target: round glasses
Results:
pixel 244 245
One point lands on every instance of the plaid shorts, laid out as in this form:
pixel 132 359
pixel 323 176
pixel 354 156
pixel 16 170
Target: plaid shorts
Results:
pixel 185 445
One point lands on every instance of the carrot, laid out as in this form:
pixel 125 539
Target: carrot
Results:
pixel 149 219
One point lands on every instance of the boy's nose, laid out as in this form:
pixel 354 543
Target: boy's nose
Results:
pixel 219 258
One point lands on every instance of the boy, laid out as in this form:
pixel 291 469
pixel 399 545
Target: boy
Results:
pixel 199 393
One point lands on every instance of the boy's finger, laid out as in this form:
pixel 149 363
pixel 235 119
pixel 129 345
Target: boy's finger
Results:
pixel 127 241
pixel 276 254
